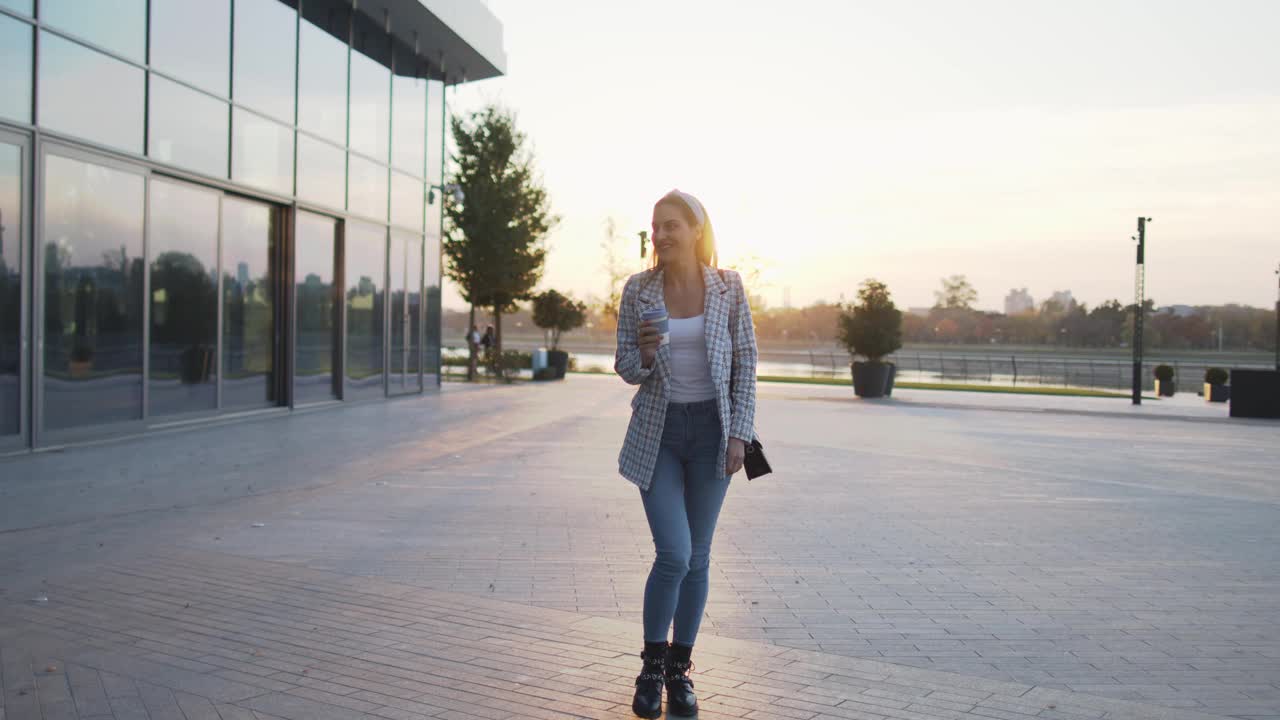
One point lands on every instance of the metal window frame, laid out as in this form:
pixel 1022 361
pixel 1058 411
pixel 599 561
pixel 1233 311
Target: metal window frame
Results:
pixel 23 142
pixel 422 255
pixel 340 283
pixel 386 311
pixel 347 389
pixel 43 437
pixel 338 349
pixel 404 240
pixel 444 151
pixel 280 233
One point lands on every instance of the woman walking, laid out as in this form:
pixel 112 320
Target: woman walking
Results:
pixel 694 358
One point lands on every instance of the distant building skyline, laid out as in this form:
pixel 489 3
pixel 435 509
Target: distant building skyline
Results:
pixel 1018 301
pixel 1063 299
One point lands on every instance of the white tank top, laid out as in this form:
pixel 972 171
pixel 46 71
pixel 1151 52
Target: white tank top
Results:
pixel 690 379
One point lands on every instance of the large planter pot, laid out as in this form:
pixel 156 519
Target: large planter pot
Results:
pixel 1217 393
pixel 80 368
pixel 558 360
pixel 1166 389
pixel 1255 393
pixel 197 361
pixel 888 386
pixel 870 379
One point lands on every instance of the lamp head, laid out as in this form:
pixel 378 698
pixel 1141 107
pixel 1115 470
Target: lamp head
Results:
pixel 453 190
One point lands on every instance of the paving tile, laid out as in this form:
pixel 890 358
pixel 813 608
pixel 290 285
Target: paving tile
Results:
pixel 1017 555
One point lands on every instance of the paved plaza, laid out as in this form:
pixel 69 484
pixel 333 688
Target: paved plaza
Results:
pixel 473 554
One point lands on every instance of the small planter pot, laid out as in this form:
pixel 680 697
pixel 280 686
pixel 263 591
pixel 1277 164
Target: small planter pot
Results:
pixel 1217 393
pixel 870 379
pixel 558 361
pixel 1166 389
pixel 888 386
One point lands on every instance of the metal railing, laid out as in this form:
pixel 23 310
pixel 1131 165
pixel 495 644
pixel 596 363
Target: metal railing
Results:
pixel 1025 369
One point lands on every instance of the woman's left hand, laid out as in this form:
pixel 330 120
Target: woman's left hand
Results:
pixel 734 458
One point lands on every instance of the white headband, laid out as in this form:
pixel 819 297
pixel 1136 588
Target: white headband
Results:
pixel 693 204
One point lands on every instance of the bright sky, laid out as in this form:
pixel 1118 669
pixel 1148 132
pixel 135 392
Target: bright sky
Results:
pixel 1013 141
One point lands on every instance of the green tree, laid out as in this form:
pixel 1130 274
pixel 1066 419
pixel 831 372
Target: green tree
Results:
pixel 956 293
pixel 494 241
pixel 752 269
pixel 873 327
pixel 557 314
pixel 618 266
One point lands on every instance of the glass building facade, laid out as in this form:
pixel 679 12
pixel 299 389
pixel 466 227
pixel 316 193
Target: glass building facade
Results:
pixel 220 206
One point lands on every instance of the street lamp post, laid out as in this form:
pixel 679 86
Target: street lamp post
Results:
pixel 1278 317
pixel 1139 290
pixel 453 190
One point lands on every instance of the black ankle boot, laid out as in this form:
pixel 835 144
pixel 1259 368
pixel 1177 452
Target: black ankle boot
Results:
pixel 680 697
pixel 648 700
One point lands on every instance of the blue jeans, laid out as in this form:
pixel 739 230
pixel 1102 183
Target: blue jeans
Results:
pixel 682 504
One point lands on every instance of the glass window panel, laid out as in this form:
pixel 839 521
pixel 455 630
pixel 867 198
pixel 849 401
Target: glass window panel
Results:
pixel 266 31
pixel 183 245
pixel 261 152
pixel 406 311
pixel 409 124
pixel 415 311
pixel 19 6
pixel 93 301
pixel 191 40
pixel 322 172
pixel 370 106
pixel 365 252
pixel 119 26
pixel 368 188
pixel 10 288
pixel 318 310
pixel 15 70
pixel 248 304
pixel 188 128
pixel 435 130
pixel 407 200
pixel 86 93
pixel 431 282
pixel 322 84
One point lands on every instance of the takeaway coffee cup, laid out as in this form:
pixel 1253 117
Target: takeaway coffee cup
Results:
pixel 657 316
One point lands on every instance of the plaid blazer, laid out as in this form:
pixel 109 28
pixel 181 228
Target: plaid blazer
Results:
pixel 731 353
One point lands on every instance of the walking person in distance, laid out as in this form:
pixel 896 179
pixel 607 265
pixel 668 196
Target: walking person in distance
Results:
pixel 685 337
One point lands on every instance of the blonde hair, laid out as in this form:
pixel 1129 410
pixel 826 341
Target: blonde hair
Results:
pixel 698 219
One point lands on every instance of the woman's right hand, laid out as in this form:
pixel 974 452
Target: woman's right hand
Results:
pixel 648 339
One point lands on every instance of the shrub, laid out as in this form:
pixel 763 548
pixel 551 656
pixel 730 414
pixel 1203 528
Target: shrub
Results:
pixel 1216 376
pixel 873 327
pixel 516 360
pixel 507 365
pixel 1164 373
pixel 557 314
